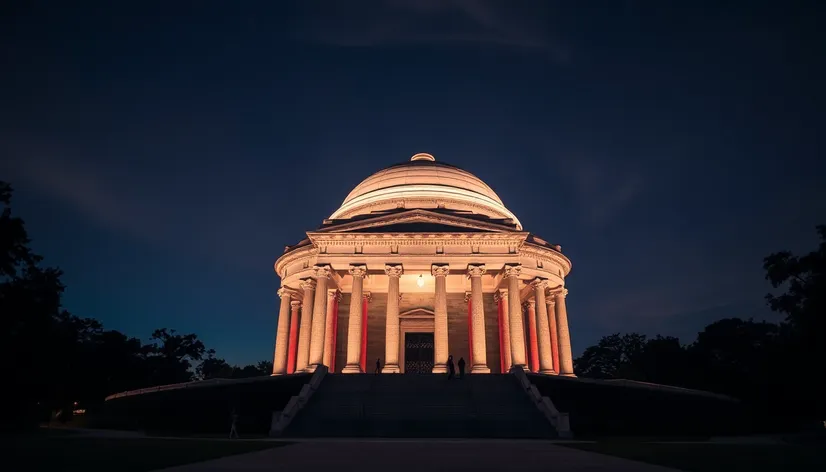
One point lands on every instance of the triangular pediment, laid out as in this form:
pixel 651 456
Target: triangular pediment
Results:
pixel 418 313
pixel 418 220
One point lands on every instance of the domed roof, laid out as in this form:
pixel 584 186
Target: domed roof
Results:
pixel 423 183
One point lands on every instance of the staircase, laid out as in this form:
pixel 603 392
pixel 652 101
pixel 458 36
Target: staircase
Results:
pixel 486 406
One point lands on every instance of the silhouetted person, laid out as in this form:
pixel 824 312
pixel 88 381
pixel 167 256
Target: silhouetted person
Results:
pixel 233 432
pixel 378 366
pixel 451 370
pixel 461 365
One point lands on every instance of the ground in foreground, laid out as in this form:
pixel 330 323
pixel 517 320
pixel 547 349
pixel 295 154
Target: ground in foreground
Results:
pixel 713 457
pixel 90 454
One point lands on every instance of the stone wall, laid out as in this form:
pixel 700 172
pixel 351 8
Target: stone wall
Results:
pixel 457 309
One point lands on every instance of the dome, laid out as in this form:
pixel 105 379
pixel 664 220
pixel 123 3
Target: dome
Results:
pixel 423 183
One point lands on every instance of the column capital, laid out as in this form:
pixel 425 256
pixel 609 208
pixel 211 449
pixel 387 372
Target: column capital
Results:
pixel 475 270
pixel 439 270
pixel 500 295
pixel 295 303
pixel 563 293
pixel 322 271
pixel 530 303
pixel 393 270
pixel 468 295
pixel 358 270
pixel 367 296
pixel 550 301
pixel 308 284
pixel 512 270
pixel 334 294
pixel 539 284
pixel 282 292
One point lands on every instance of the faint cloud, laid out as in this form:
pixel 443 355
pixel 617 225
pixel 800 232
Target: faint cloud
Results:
pixel 602 192
pixel 518 25
pixel 149 210
pixel 94 194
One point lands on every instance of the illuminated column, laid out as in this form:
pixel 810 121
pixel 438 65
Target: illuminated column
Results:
pixel 479 358
pixel 549 300
pixel 501 297
pixel 329 329
pixel 530 313
pixel 354 324
pixel 543 333
pixel 391 341
pixel 301 359
pixel 469 327
pixel 282 334
pixel 566 361
pixel 295 305
pixel 337 301
pixel 515 315
pixel 365 301
pixel 321 274
pixel 440 350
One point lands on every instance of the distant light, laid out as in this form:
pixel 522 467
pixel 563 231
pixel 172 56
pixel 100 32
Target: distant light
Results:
pixel 420 281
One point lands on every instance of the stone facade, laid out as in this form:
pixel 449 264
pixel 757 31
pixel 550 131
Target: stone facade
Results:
pixel 443 241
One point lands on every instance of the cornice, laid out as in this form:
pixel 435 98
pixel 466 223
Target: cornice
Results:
pixel 304 252
pixel 546 255
pixel 407 239
pixel 414 216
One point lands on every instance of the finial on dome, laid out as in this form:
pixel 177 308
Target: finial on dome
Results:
pixel 422 156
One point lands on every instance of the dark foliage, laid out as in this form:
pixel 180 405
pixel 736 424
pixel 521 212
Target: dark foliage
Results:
pixel 61 361
pixel 776 366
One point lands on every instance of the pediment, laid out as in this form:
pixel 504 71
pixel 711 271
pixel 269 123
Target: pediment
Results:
pixel 417 220
pixel 417 313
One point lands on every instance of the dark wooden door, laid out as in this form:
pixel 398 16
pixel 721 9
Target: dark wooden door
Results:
pixel 418 353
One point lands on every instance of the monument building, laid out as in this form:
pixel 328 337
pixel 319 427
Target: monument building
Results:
pixel 422 261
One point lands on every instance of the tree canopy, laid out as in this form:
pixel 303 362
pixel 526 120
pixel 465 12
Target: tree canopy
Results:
pixel 778 365
pixel 59 358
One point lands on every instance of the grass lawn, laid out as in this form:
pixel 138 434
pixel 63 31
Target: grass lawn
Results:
pixel 712 457
pixel 61 452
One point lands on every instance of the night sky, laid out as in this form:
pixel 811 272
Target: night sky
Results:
pixel 163 155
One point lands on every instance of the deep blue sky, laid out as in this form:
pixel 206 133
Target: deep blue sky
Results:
pixel 163 155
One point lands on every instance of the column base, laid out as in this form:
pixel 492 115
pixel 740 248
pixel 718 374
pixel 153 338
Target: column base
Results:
pixel 440 369
pixel 277 374
pixel 567 375
pixel 311 368
pixel 548 372
pixel 390 369
pixel 519 366
pixel 352 369
pixel 480 369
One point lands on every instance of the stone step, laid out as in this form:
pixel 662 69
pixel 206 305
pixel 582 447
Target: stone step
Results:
pixel 420 406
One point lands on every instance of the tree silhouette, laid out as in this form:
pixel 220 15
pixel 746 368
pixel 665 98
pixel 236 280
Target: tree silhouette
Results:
pixel 804 304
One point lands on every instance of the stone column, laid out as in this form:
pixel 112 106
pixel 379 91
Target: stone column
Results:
pixel 329 329
pixel 353 365
pixel 295 306
pixel 391 341
pixel 440 347
pixel 533 353
pixel 321 274
pixel 282 334
pixel 549 300
pixel 566 360
pixel 301 359
pixel 479 359
pixel 543 330
pixel 501 297
pixel 515 314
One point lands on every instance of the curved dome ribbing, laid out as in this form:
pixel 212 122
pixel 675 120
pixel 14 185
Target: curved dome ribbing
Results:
pixel 423 183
